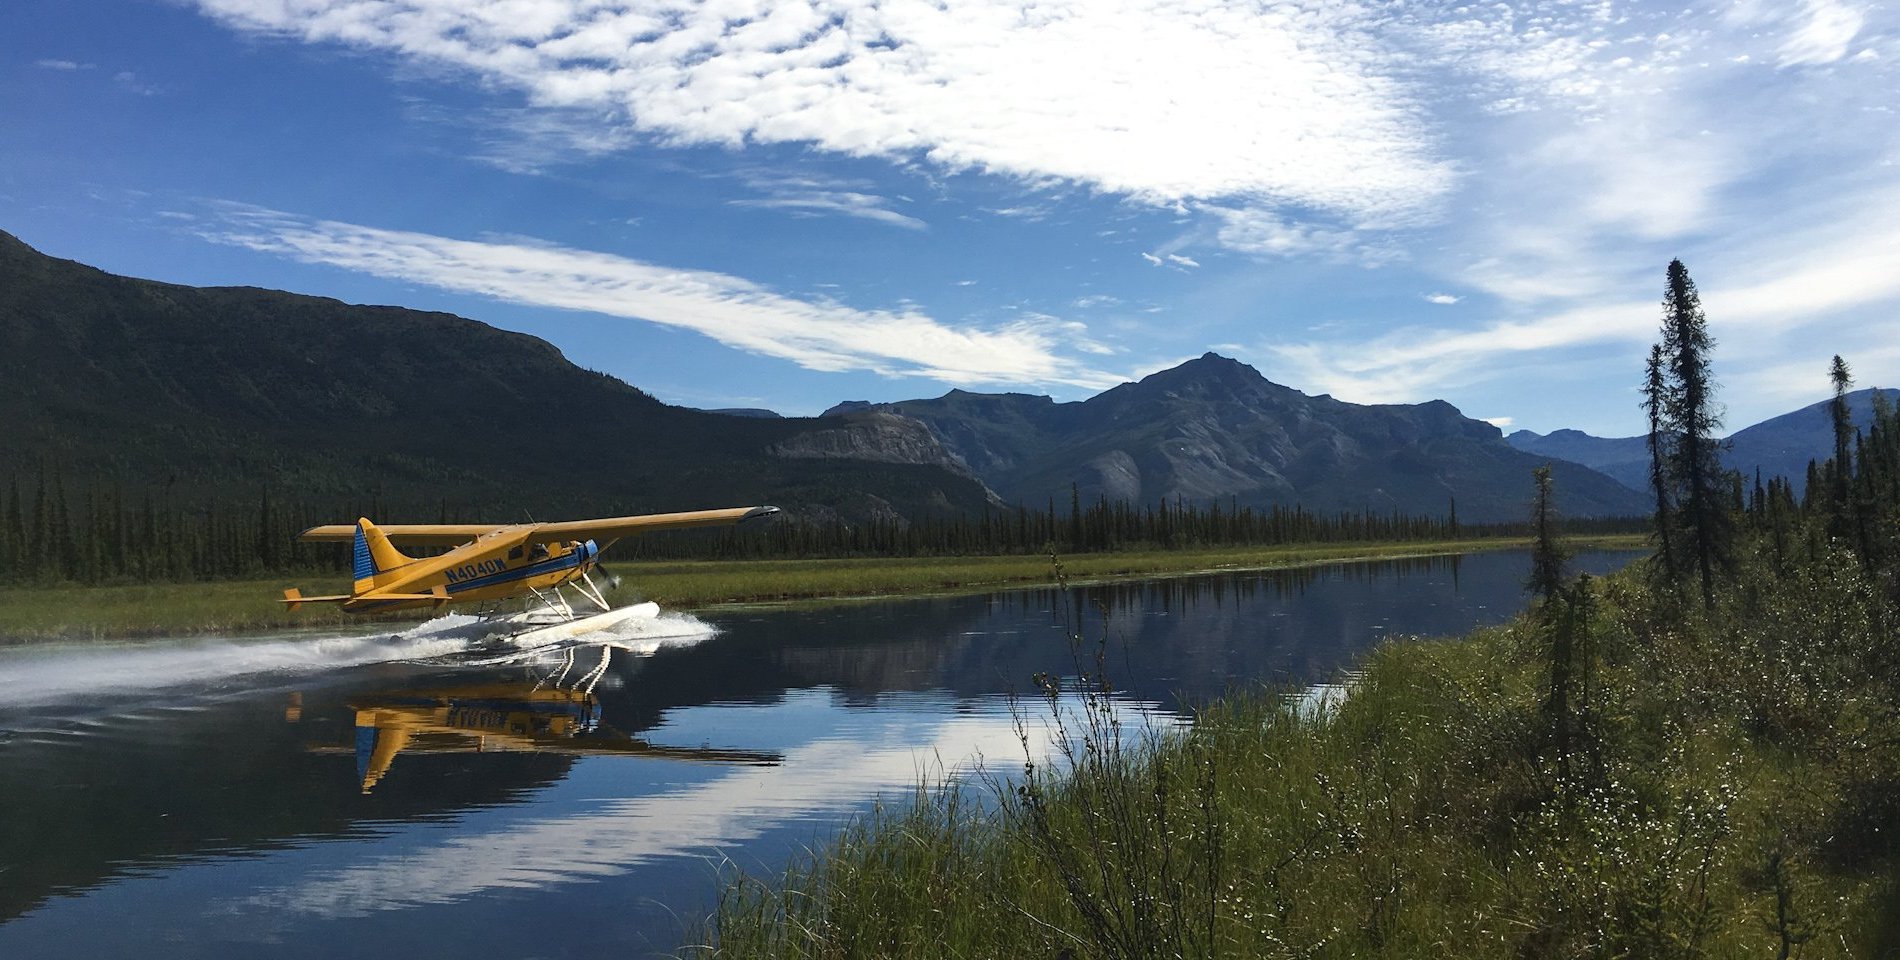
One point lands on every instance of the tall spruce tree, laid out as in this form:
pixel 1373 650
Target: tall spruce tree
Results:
pixel 1656 405
pixel 1840 524
pixel 1691 419
pixel 1547 556
pixel 1556 611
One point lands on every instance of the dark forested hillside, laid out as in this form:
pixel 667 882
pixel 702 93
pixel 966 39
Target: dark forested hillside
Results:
pixel 1623 459
pixel 202 391
pixel 1783 446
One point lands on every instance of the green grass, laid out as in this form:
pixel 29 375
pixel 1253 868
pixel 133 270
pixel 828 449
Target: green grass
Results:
pixel 1729 795
pixel 31 613
pixel 697 584
pixel 136 610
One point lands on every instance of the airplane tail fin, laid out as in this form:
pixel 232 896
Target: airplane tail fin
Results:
pixel 372 554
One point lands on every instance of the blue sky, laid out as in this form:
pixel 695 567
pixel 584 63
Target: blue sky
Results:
pixel 787 204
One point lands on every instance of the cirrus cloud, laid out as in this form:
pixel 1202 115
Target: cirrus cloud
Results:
pixel 815 334
pixel 1279 103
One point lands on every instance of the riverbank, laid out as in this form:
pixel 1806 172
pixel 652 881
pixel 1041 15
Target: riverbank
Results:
pixel 1713 783
pixel 135 610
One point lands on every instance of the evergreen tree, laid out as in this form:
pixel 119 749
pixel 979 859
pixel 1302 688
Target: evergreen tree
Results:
pixel 1692 418
pixel 61 553
pixel 1840 523
pixel 265 545
pixel 1655 404
pixel 1547 556
pixel 1075 517
pixel 1556 612
pixel 40 536
pixel 14 521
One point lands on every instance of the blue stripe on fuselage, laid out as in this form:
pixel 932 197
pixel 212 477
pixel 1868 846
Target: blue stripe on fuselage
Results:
pixel 508 576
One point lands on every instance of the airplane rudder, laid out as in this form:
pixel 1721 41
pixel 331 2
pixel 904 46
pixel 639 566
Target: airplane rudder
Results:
pixel 374 553
pixel 362 562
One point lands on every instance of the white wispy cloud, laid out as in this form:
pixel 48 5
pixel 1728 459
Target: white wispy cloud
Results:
pixel 62 65
pixel 1810 292
pixel 812 197
pixel 1641 127
pixel 1442 299
pixel 1181 261
pixel 528 140
pixel 1283 103
pixel 816 334
pixel 1032 212
pixel 1823 31
pixel 131 83
pixel 1266 233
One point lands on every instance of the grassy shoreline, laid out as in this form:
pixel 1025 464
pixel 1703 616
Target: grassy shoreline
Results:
pixel 36 613
pixel 1720 786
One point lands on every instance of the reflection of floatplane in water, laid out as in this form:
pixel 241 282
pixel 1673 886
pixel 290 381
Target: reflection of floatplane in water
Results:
pixel 548 715
pixel 490 562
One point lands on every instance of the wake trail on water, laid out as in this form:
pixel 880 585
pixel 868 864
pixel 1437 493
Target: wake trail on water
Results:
pixel 62 674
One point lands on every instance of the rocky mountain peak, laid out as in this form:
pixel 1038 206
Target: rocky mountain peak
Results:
pixel 1211 378
pixel 1213 366
pixel 1214 428
pixel 843 407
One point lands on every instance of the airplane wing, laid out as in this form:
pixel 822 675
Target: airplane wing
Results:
pixel 420 534
pixel 613 528
pixel 608 528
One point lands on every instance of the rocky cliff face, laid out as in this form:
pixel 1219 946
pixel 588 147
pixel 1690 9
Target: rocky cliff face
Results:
pixel 876 436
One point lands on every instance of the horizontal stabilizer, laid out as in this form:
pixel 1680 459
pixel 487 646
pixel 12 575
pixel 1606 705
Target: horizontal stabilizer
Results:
pixel 295 598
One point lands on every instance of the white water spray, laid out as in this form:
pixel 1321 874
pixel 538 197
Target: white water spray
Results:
pixel 33 676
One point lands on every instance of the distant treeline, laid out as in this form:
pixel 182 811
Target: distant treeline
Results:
pixel 1852 500
pixel 53 530
pixel 1099 527
pixel 50 535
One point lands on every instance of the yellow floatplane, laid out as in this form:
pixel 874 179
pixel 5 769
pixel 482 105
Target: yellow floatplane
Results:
pixel 491 562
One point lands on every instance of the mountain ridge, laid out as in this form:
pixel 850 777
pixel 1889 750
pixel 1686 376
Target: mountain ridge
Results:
pixel 152 383
pixel 1779 446
pixel 1214 428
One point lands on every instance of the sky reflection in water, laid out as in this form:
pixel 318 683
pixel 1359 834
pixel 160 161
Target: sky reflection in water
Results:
pixel 208 798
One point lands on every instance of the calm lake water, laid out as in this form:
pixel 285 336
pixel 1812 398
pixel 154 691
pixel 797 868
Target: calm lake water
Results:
pixel 375 796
